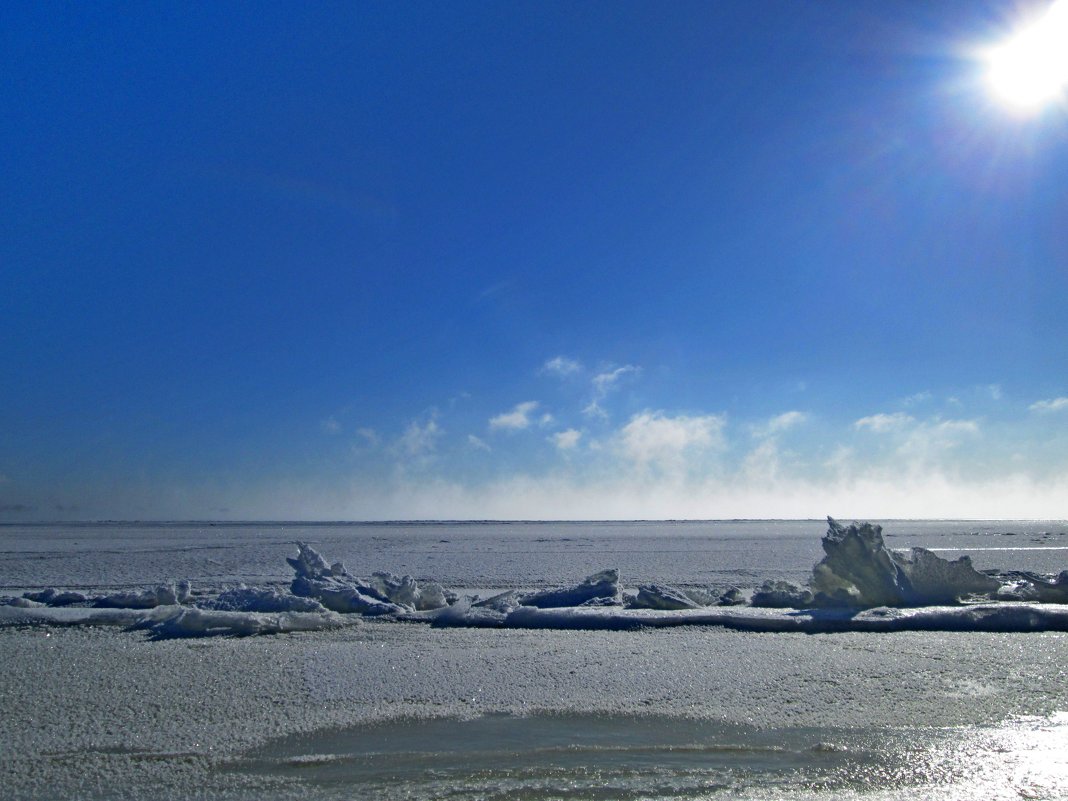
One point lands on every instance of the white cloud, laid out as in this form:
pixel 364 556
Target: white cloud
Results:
pixel 419 441
pixel 1052 405
pixel 917 398
pixel 919 444
pixel 370 436
pixel 994 390
pixel 546 420
pixel 603 383
pixel 594 409
pixel 929 443
pixel 653 439
pixel 330 425
pixel 477 443
pixel 561 366
pixel 881 423
pixel 953 427
pixel 762 463
pixel 515 420
pixel 780 423
pixel 566 440
pixel 840 460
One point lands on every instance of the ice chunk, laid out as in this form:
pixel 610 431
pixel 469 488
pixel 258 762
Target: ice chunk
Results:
pixel 504 602
pixel 162 595
pixel 346 598
pixel 603 585
pixel 54 597
pixel 404 590
pixel 1036 588
pixel 934 580
pixel 734 596
pixel 310 564
pixel 339 590
pixel 264 599
pixel 781 595
pixel 859 570
pixel 465 613
pixel 194 622
pixel 657 596
pixel 334 586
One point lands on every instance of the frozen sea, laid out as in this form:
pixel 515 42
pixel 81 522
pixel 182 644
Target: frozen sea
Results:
pixel 386 709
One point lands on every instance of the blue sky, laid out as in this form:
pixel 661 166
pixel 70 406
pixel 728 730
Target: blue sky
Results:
pixel 527 260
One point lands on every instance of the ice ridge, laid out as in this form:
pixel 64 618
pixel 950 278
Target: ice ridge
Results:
pixel 859 585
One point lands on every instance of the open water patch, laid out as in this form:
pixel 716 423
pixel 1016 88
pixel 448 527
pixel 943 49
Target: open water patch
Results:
pixel 587 756
pixel 546 756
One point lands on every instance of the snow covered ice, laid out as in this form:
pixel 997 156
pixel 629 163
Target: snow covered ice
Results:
pixel 858 571
pixel 556 659
pixel 917 590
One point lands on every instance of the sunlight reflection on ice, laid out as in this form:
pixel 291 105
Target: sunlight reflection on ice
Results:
pixel 546 756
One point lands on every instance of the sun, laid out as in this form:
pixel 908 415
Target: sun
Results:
pixel 1029 71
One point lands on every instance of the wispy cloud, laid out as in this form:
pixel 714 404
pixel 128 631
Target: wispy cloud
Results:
pixel 419 441
pixel 594 409
pixel 763 462
pixel 1052 405
pixel 566 440
pixel 330 425
pixel 881 423
pixel 930 442
pixel 369 436
pixel 603 383
pixel 515 420
pixel 780 423
pixel 494 289
pixel 918 443
pixel 477 444
pixel 655 439
pixel 917 398
pixel 561 366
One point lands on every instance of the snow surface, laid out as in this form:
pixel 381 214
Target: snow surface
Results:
pixel 162 699
pixel 97 713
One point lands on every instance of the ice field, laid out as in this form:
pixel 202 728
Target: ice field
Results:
pixel 380 706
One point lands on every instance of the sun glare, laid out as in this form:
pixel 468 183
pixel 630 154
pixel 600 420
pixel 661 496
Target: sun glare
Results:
pixel 1029 71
